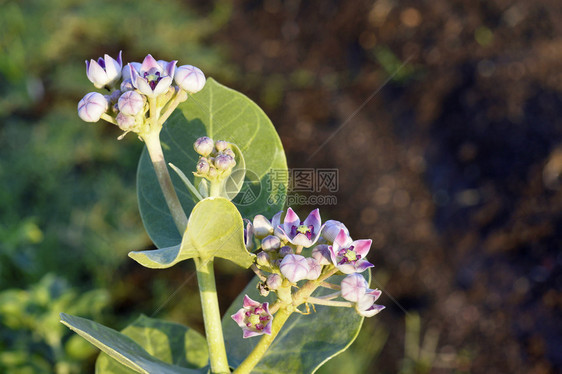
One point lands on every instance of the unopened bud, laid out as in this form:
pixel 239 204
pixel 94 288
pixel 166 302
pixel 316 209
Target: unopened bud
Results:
pixel 189 78
pixel 126 85
pixel 321 253
pixel 203 166
pixel 131 103
pixel 270 243
pixel 274 281
pixel 204 146
pixel 286 250
pixel 125 122
pixel 221 145
pixel 92 106
pixel 262 259
pixel 224 162
pixel 213 173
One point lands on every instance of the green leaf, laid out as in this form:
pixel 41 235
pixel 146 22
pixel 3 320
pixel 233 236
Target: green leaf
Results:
pixel 121 347
pixel 304 343
pixel 222 114
pixel 170 342
pixel 215 229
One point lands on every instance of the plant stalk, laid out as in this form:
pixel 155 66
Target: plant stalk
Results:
pixel 211 316
pixel 152 141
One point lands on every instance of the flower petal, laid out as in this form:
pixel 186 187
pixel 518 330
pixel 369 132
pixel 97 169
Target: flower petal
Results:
pixel 314 220
pixel 291 219
pixel 150 63
pixel 362 265
pixel 248 302
pixel 341 239
pixel 362 246
pixel 162 86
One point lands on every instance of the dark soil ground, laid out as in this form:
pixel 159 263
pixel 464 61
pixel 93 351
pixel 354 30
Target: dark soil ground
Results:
pixel 452 164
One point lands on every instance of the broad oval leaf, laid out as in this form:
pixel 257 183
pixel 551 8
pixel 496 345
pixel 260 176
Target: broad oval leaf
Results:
pixel 304 343
pixel 215 229
pixel 170 342
pixel 122 348
pixel 222 114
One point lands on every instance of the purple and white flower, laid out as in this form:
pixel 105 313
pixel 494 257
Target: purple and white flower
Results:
pixel 366 306
pixel 151 78
pixel 349 256
pixel 92 106
pixel 105 71
pixel 190 78
pixel 254 318
pixel 294 268
pixel 304 233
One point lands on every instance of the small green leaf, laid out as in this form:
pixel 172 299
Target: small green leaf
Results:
pixel 222 114
pixel 304 343
pixel 215 229
pixel 170 342
pixel 121 347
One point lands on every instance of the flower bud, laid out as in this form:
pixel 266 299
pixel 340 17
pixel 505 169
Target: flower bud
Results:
pixel 354 287
pixel 224 162
pixel 262 259
pixel 331 230
pixel 274 281
pixel 229 152
pixel 125 122
pixel 131 103
pixel 286 250
pixel 248 235
pixel 189 78
pixel 221 145
pixel 294 268
pixel 321 253
pixel 270 243
pixel 126 85
pixel 92 106
pixel 203 166
pixel 315 269
pixel 262 227
pixel 126 71
pixel 204 146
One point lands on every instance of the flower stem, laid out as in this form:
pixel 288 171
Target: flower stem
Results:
pixel 259 350
pixel 211 316
pixel 319 301
pixel 152 141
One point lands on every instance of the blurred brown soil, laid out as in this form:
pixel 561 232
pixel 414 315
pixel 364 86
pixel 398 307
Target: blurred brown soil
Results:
pixel 453 168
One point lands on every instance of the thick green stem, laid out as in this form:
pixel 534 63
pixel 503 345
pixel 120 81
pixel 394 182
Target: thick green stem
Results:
pixel 211 316
pixel 152 141
pixel 259 350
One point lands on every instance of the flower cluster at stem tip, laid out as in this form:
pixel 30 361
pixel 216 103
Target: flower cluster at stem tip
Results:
pixel 140 96
pixel 216 159
pixel 292 251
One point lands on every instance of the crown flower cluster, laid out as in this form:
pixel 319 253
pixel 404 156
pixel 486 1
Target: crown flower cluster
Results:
pixel 141 96
pixel 295 257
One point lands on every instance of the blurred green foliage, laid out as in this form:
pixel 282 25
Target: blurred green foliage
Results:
pixel 31 338
pixel 67 198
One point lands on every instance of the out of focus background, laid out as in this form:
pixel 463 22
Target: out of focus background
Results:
pixel 443 119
